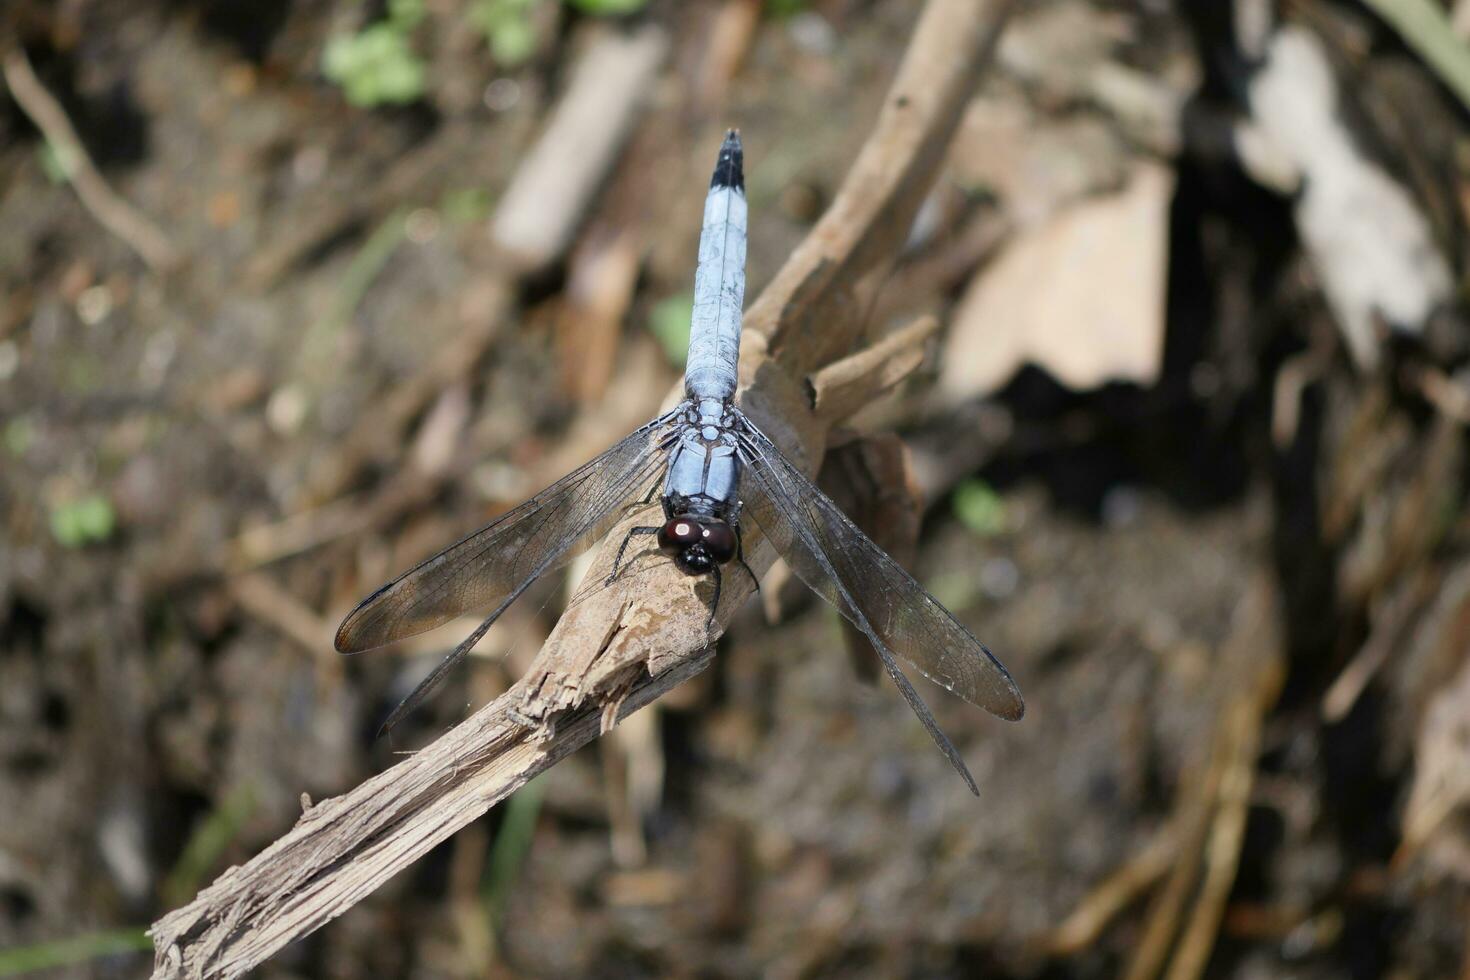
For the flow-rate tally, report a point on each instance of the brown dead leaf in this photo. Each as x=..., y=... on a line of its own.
x=1034, y=165
x=1442, y=766
x=1081, y=296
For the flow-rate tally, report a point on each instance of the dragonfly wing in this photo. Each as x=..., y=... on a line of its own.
x=839, y=562
x=489, y=569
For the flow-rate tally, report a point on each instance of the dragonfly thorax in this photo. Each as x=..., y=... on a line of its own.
x=700, y=499
x=711, y=416
x=704, y=466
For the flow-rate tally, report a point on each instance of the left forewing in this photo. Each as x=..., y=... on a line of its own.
x=487, y=570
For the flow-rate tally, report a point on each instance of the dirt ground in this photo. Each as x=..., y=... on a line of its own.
x=1215, y=535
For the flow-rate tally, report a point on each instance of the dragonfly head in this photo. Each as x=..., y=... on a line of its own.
x=697, y=546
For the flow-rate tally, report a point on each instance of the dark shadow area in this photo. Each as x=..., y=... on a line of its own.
x=110, y=123
x=248, y=25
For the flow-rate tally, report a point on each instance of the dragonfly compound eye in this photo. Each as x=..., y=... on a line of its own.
x=678, y=534
x=720, y=541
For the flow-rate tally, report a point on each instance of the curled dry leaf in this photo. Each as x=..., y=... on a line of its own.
x=1368, y=240
x=1080, y=296
x=1070, y=52
x=1034, y=165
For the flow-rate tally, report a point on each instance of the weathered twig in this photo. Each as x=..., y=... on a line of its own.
x=840, y=389
x=558, y=177
x=1084, y=924
x=114, y=213
x=1209, y=822
x=629, y=643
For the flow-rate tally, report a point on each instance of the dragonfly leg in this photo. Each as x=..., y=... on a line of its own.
x=714, y=605
x=618, y=561
x=740, y=557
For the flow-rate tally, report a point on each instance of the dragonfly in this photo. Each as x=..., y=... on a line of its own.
x=715, y=472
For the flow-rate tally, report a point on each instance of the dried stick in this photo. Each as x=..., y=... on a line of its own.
x=1241, y=737
x=840, y=389
x=1209, y=820
x=558, y=178
x=1082, y=927
x=633, y=641
x=110, y=210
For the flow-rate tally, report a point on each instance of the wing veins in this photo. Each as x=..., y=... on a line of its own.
x=761, y=467
x=924, y=632
x=426, y=595
x=441, y=669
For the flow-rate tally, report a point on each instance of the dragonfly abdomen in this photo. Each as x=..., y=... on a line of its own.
x=719, y=281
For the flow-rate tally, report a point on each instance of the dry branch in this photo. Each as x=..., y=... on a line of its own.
x=97, y=196
x=557, y=179
x=629, y=643
x=1209, y=822
x=838, y=390
x=1085, y=924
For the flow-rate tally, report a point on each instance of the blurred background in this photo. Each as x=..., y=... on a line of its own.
x=293, y=294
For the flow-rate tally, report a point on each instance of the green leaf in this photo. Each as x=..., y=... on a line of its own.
x=608, y=8
x=954, y=590
x=512, y=843
x=376, y=66
x=507, y=27
x=206, y=844
x=361, y=272
x=56, y=163
x=76, y=949
x=513, y=42
x=465, y=205
x=405, y=15
x=1426, y=28
x=980, y=508
x=669, y=322
x=85, y=521
x=20, y=435
x=784, y=8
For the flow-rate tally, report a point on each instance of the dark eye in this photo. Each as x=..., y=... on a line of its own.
x=720, y=541
x=677, y=535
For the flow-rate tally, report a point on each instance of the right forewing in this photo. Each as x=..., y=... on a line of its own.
x=867, y=586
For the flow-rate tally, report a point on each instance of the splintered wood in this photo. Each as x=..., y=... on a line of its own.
x=840, y=389
x=628, y=644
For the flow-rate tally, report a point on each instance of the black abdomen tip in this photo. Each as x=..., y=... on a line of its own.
x=730, y=168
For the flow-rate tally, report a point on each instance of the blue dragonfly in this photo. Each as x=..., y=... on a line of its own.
x=715, y=472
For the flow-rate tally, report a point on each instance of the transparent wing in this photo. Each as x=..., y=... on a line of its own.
x=491, y=567
x=838, y=562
